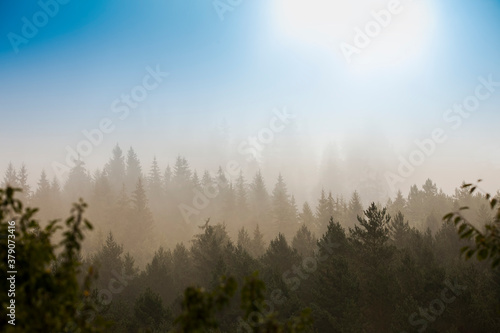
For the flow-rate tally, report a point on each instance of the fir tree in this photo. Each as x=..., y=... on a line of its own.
x=306, y=217
x=259, y=200
x=182, y=173
x=142, y=215
x=304, y=242
x=241, y=198
x=78, y=183
x=282, y=211
x=355, y=209
x=167, y=179
x=244, y=240
x=10, y=178
x=373, y=229
x=323, y=212
x=108, y=260
x=133, y=169
x=196, y=180
x=257, y=245
x=22, y=181
x=207, y=183
x=398, y=205
x=154, y=183
x=43, y=189
x=399, y=230
x=115, y=169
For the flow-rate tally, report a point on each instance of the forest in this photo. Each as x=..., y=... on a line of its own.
x=177, y=250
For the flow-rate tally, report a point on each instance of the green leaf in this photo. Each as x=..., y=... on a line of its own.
x=469, y=253
x=482, y=254
x=467, y=234
x=448, y=216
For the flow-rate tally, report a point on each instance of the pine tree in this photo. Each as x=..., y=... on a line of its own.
x=304, y=242
x=196, y=180
x=207, y=183
x=225, y=198
x=244, y=240
x=142, y=215
x=430, y=189
x=221, y=179
x=78, y=183
x=115, y=169
x=323, y=212
x=399, y=230
x=42, y=197
x=182, y=173
x=55, y=189
x=133, y=169
x=257, y=245
x=259, y=188
x=373, y=230
x=282, y=211
x=209, y=188
x=182, y=267
x=241, y=198
x=415, y=206
x=129, y=268
x=122, y=218
x=150, y=314
x=43, y=189
x=155, y=192
x=22, y=181
x=339, y=208
x=398, y=205
x=355, y=209
x=123, y=201
x=158, y=273
x=280, y=256
x=208, y=251
x=102, y=198
x=334, y=291
x=306, y=217
x=10, y=178
x=259, y=200
x=167, y=179
x=374, y=255
x=108, y=260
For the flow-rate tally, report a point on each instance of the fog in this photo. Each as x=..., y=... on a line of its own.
x=309, y=160
x=250, y=166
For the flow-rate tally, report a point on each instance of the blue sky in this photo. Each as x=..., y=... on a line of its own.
x=264, y=54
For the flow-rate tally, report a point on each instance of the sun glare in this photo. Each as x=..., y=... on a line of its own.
x=369, y=33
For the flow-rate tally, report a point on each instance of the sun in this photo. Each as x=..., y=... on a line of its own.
x=397, y=31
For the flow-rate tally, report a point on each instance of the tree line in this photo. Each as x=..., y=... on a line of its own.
x=392, y=267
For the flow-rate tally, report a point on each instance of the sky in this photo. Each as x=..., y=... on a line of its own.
x=227, y=67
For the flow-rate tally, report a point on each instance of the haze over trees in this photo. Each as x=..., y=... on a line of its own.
x=171, y=244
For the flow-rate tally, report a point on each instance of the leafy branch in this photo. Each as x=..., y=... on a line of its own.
x=486, y=243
